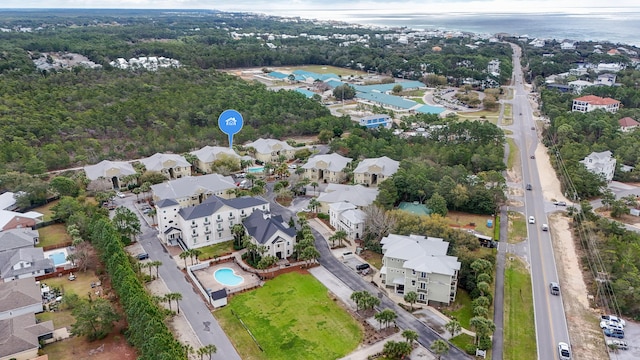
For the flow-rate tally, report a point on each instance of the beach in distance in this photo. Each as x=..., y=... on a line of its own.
x=621, y=27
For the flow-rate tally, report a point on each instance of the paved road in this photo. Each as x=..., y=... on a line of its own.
x=196, y=312
x=550, y=319
x=426, y=336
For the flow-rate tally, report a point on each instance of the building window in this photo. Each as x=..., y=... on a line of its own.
x=423, y=285
x=413, y=283
x=207, y=237
x=219, y=234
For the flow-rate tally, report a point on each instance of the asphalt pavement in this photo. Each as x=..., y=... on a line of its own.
x=192, y=306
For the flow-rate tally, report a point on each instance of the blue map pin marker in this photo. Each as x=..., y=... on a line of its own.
x=230, y=122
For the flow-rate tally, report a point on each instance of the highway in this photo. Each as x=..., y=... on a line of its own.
x=550, y=319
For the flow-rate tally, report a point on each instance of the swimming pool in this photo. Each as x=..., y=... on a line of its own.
x=59, y=257
x=257, y=169
x=226, y=276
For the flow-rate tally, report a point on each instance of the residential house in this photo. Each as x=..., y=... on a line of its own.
x=606, y=79
x=271, y=232
x=209, y=154
x=377, y=120
x=193, y=190
x=15, y=220
x=18, y=238
x=421, y=264
x=567, y=45
x=326, y=168
x=20, y=297
x=627, y=124
x=371, y=172
x=578, y=85
x=270, y=150
x=602, y=163
x=109, y=174
x=591, y=102
x=357, y=195
x=20, y=333
x=173, y=166
x=8, y=201
x=494, y=67
x=347, y=217
x=19, y=259
x=205, y=224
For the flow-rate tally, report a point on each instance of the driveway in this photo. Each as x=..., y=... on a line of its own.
x=192, y=306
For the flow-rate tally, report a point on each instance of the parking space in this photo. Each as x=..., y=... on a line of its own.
x=631, y=337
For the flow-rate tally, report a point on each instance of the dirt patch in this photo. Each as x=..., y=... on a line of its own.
x=586, y=337
x=551, y=188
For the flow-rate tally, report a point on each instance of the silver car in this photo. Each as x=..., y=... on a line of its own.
x=564, y=351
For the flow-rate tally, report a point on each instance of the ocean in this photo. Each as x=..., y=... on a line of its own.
x=619, y=28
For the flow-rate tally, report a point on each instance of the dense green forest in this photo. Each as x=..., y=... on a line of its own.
x=205, y=40
x=75, y=118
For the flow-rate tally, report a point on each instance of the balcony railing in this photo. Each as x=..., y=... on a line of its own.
x=219, y=220
x=194, y=226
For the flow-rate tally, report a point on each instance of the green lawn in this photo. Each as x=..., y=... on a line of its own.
x=52, y=235
x=519, y=327
x=216, y=250
x=517, y=227
x=514, y=153
x=291, y=317
x=461, y=309
x=60, y=318
x=462, y=341
x=418, y=100
x=507, y=110
x=46, y=210
x=373, y=258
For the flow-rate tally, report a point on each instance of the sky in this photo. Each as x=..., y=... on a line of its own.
x=291, y=7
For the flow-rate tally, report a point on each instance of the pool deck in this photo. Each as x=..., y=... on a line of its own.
x=208, y=281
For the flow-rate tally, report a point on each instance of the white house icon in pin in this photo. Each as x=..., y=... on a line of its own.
x=230, y=121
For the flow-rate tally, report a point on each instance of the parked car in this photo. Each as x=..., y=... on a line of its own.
x=614, y=319
x=616, y=333
x=554, y=288
x=545, y=227
x=560, y=203
x=532, y=220
x=608, y=324
x=618, y=344
x=361, y=267
x=529, y=187
x=120, y=195
x=564, y=351
x=142, y=256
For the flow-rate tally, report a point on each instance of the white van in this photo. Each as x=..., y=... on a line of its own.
x=545, y=227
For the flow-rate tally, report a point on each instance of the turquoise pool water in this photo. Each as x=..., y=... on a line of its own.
x=257, y=169
x=58, y=258
x=226, y=276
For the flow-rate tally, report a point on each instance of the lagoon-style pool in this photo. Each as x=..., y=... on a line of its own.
x=226, y=276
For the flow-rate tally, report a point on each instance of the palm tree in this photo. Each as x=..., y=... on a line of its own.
x=483, y=287
x=174, y=296
x=411, y=297
x=314, y=185
x=480, y=311
x=314, y=204
x=453, y=327
x=209, y=350
x=194, y=253
x=156, y=264
x=380, y=318
x=439, y=347
x=388, y=316
x=339, y=235
x=188, y=349
x=410, y=336
x=184, y=255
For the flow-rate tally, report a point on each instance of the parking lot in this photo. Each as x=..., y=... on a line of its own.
x=631, y=336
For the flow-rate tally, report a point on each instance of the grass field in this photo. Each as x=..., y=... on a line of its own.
x=418, y=100
x=517, y=227
x=215, y=250
x=461, y=309
x=463, y=219
x=514, y=153
x=291, y=317
x=46, y=210
x=326, y=69
x=373, y=258
x=52, y=235
x=519, y=328
x=462, y=341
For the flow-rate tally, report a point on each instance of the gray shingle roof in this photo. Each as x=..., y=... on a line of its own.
x=159, y=162
x=33, y=255
x=388, y=166
x=17, y=238
x=19, y=293
x=219, y=294
x=355, y=194
x=335, y=162
x=116, y=168
x=20, y=333
x=263, y=229
x=191, y=185
x=213, y=203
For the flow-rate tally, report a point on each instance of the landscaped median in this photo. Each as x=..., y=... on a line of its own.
x=290, y=317
x=519, y=321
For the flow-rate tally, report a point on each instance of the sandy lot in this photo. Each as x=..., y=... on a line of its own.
x=585, y=334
